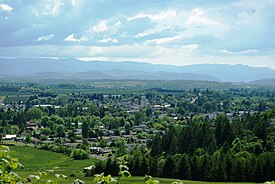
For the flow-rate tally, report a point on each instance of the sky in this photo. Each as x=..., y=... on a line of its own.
x=176, y=32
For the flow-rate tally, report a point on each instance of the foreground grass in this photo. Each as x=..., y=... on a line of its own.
x=140, y=180
x=36, y=160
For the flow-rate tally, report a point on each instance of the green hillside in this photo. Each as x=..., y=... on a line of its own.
x=36, y=160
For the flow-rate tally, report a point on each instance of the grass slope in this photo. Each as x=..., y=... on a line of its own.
x=36, y=160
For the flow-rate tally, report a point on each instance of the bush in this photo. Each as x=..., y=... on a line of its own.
x=79, y=154
x=43, y=138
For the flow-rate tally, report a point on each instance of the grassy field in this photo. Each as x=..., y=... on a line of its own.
x=36, y=160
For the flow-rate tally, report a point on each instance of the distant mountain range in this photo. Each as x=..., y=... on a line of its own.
x=266, y=82
x=46, y=68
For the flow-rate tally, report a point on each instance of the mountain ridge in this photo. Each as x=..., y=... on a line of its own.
x=130, y=70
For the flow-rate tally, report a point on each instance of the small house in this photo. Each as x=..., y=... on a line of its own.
x=9, y=137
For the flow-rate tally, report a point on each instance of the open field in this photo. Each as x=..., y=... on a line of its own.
x=36, y=160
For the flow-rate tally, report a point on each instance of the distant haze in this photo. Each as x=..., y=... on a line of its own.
x=46, y=68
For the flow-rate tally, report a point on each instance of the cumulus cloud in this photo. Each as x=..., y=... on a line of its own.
x=165, y=40
x=163, y=31
x=106, y=40
x=52, y=7
x=155, y=17
x=101, y=26
x=73, y=3
x=5, y=7
x=72, y=38
x=198, y=17
x=45, y=37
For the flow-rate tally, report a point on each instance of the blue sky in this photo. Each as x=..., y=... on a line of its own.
x=177, y=32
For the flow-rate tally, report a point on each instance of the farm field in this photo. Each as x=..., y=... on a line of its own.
x=36, y=160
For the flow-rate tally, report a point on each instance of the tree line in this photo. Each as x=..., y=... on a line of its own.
x=242, y=149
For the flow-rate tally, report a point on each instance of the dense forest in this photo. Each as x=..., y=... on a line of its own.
x=219, y=150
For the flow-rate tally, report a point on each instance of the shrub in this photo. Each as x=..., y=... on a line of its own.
x=79, y=154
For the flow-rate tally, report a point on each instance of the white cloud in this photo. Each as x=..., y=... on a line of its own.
x=140, y=35
x=163, y=16
x=222, y=30
x=155, y=17
x=180, y=52
x=239, y=52
x=246, y=18
x=72, y=38
x=162, y=40
x=93, y=51
x=198, y=17
x=138, y=16
x=87, y=59
x=73, y=3
x=107, y=40
x=101, y=26
x=117, y=24
x=182, y=55
x=45, y=38
x=165, y=40
x=254, y=4
x=52, y=7
x=190, y=47
x=6, y=7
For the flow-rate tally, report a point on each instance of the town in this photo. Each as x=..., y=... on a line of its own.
x=105, y=125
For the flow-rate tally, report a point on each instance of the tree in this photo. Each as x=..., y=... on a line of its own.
x=139, y=117
x=85, y=129
x=46, y=131
x=28, y=138
x=34, y=113
x=169, y=167
x=156, y=146
x=79, y=154
x=184, y=171
x=218, y=167
x=14, y=129
x=85, y=145
x=72, y=136
x=120, y=147
x=103, y=143
x=60, y=131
